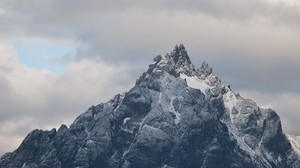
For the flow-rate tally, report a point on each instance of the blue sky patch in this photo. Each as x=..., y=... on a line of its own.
x=44, y=55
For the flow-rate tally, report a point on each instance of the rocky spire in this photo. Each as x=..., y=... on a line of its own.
x=206, y=69
x=179, y=55
x=175, y=62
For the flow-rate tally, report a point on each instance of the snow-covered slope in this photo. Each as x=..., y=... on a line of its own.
x=295, y=142
x=175, y=116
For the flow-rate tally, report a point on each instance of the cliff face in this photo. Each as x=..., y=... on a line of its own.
x=175, y=116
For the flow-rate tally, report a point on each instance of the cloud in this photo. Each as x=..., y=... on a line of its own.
x=65, y=19
x=33, y=99
x=78, y=11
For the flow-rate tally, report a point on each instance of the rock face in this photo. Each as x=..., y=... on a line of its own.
x=176, y=116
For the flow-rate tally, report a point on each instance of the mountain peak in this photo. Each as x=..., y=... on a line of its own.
x=175, y=62
x=180, y=45
x=180, y=55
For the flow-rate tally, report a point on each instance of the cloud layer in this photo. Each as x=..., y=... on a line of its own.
x=253, y=45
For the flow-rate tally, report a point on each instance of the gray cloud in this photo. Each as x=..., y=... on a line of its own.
x=226, y=9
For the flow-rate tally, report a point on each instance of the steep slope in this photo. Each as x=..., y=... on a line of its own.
x=175, y=116
x=295, y=142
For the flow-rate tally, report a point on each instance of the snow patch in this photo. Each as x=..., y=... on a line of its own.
x=125, y=153
x=142, y=123
x=295, y=142
x=230, y=100
x=120, y=101
x=172, y=109
x=160, y=97
x=151, y=127
x=125, y=120
x=196, y=83
x=90, y=141
x=127, y=130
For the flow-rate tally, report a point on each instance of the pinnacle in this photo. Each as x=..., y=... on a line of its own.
x=206, y=69
x=180, y=55
x=175, y=62
x=180, y=46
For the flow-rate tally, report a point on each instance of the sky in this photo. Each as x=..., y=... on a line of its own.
x=59, y=57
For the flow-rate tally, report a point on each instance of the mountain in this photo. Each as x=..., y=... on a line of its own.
x=176, y=116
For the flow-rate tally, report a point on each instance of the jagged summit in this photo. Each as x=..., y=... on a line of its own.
x=180, y=55
x=175, y=116
x=176, y=62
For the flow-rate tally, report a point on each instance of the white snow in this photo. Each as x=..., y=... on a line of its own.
x=141, y=126
x=230, y=100
x=127, y=130
x=142, y=123
x=125, y=152
x=241, y=142
x=166, y=166
x=196, y=83
x=90, y=141
x=125, y=120
x=295, y=142
x=122, y=95
x=172, y=109
x=151, y=127
x=160, y=96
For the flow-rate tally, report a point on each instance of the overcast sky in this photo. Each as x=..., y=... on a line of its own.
x=59, y=57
